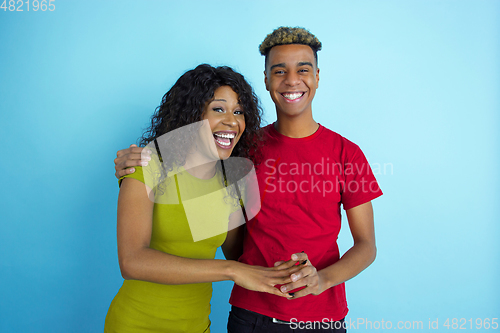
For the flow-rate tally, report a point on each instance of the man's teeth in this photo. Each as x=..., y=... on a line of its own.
x=227, y=136
x=292, y=96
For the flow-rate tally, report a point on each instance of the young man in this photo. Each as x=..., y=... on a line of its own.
x=306, y=174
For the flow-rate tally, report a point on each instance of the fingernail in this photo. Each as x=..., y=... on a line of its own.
x=149, y=152
x=144, y=163
x=132, y=170
x=146, y=158
x=293, y=277
x=283, y=288
x=304, y=262
x=294, y=257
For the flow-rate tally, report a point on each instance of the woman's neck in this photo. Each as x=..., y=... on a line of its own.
x=202, y=171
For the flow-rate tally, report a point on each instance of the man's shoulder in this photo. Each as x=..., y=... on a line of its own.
x=266, y=129
x=330, y=136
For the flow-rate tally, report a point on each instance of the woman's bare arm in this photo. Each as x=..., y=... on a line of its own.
x=138, y=261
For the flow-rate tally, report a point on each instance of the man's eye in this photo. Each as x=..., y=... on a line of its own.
x=304, y=70
x=279, y=72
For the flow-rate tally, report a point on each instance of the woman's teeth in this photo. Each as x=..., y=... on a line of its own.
x=225, y=135
x=224, y=139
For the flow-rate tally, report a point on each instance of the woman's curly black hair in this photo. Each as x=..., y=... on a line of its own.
x=184, y=104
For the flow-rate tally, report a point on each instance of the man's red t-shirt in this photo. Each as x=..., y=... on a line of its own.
x=302, y=183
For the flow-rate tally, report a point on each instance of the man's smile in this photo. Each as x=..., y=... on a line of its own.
x=293, y=96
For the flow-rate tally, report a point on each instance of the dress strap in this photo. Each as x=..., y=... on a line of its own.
x=178, y=190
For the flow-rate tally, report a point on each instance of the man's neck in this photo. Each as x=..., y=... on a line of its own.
x=296, y=127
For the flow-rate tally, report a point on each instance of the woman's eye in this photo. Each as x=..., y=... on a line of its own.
x=218, y=109
x=238, y=112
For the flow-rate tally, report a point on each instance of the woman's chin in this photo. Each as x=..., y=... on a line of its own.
x=224, y=154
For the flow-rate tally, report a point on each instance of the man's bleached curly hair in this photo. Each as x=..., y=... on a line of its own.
x=290, y=35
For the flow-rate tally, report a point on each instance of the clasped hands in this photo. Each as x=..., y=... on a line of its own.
x=306, y=277
x=283, y=278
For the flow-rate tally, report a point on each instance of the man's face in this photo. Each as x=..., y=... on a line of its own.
x=291, y=77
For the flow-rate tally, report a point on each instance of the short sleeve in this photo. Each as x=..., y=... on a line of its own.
x=149, y=175
x=138, y=174
x=360, y=185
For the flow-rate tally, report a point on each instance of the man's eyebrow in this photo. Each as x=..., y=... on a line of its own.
x=305, y=63
x=282, y=64
x=301, y=63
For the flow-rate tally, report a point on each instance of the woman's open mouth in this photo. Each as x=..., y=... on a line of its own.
x=224, y=139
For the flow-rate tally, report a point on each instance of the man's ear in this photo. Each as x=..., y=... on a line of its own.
x=265, y=80
x=317, y=77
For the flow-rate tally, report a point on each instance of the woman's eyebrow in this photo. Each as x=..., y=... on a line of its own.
x=219, y=100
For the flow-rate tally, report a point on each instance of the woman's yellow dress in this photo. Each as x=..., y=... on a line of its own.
x=150, y=307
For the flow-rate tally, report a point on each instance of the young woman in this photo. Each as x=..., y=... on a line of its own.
x=167, y=274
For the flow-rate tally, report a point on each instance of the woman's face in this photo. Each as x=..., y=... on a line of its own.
x=226, y=119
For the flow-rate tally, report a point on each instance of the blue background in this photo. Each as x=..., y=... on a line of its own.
x=415, y=83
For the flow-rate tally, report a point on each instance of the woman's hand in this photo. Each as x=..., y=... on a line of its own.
x=264, y=279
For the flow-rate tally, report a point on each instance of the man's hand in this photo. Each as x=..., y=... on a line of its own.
x=355, y=260
x=307, y=276
x=128, y=158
